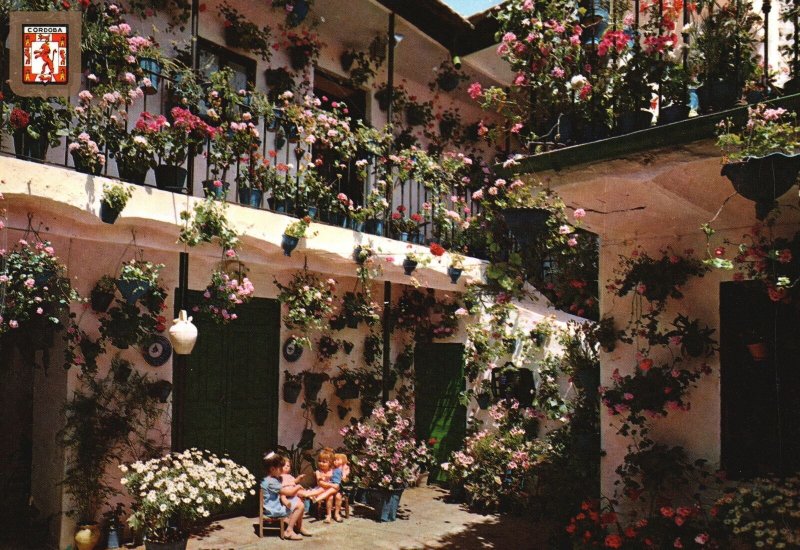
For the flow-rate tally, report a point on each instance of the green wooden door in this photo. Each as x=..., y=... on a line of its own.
x=228, y=391
x=438, y=414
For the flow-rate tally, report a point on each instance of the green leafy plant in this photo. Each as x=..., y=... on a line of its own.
x=205, y=223
x=242, y=33
x=107, y=421
x=116, y=195
x=767, y=131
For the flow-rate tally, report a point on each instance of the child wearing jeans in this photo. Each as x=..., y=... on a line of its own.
x=273, y=490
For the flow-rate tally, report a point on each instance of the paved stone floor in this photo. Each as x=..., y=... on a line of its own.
x=425, y=521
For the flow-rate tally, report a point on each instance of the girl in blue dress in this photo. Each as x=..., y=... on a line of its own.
x=273, y=489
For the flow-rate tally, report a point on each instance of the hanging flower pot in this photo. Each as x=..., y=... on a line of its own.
x=758, y=351
x=526, y=223
x=382, y=96
x=484, y=400
x=454, y=273
x=171, y=178
x=298, y=57
x=342, y=411
x=108, y=214
x=183, y=334
x=152, y=72
x=409, y=266
x=337, y=322
x=160, y=390
x=313, y=383
x=763, y=180
x=132, y=289
x=101, y=300
x=288, y=244
x=366, y=407
x=352, y=322
x=447, y=81
x=291, y=391
x=321, y=412
x=346, y=389
x=346, y=59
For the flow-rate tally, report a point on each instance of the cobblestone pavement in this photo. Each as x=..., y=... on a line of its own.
x=425, y=521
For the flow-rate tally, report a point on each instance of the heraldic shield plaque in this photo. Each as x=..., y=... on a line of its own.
x=45, y=53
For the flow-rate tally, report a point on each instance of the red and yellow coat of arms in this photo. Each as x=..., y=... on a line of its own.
x=45, y=54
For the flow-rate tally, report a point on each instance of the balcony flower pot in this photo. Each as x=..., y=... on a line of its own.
x=484, y=400
x=288, y=244
x=718, y=95
x=594, y=23
x=409, y=266
x=291, y=391
x=633, y=121
x=763, y=180
x=28, y=148
x=214, y=191
x=375, y=227
x=313, y=383
x=673, y=113
x=404, y=237
x=101, y=301
x=454, y=273
x=358, y=227
x=171, y=178
x=84, y=168
x=526, y=223
x=133, y=174
x=108, y=214
x=250, y=197
x=152, y=71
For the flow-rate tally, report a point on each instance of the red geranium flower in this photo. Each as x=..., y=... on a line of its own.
x=436, y=249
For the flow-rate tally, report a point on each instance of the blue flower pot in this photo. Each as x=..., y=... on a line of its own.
x=251, y=197
x=152, y=70
x=356, y=226
x=108, y=214
x=219, y=193
x=375, y=227
x=409, y=266
x=288, y=244
x=454, y=274
x=404, y=237
x=312, y=211
x=385, y=503
x=132, y=290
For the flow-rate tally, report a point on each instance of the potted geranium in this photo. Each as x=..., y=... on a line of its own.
x=303, y=48
x=136, y=278
x=173, y=142
x=762, y=159
x=385, y=456
x=115, y=197
x=244, y=34
x=135, y=156
x=103, y=293
x=293, y=233
x=36, y=124
x=175, y=493
x=223, y=294
x=448, y=76
x=308, y=301
x=86, y=155
x=357, y=307
x=347, y=384
x=36, y=294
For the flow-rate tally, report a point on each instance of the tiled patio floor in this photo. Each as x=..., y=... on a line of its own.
x=424, y=521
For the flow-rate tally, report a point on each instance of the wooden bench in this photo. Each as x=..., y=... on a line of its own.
x=283, y=521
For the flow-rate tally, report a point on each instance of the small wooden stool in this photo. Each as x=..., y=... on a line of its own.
x=282, y=521
x=345, y=507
